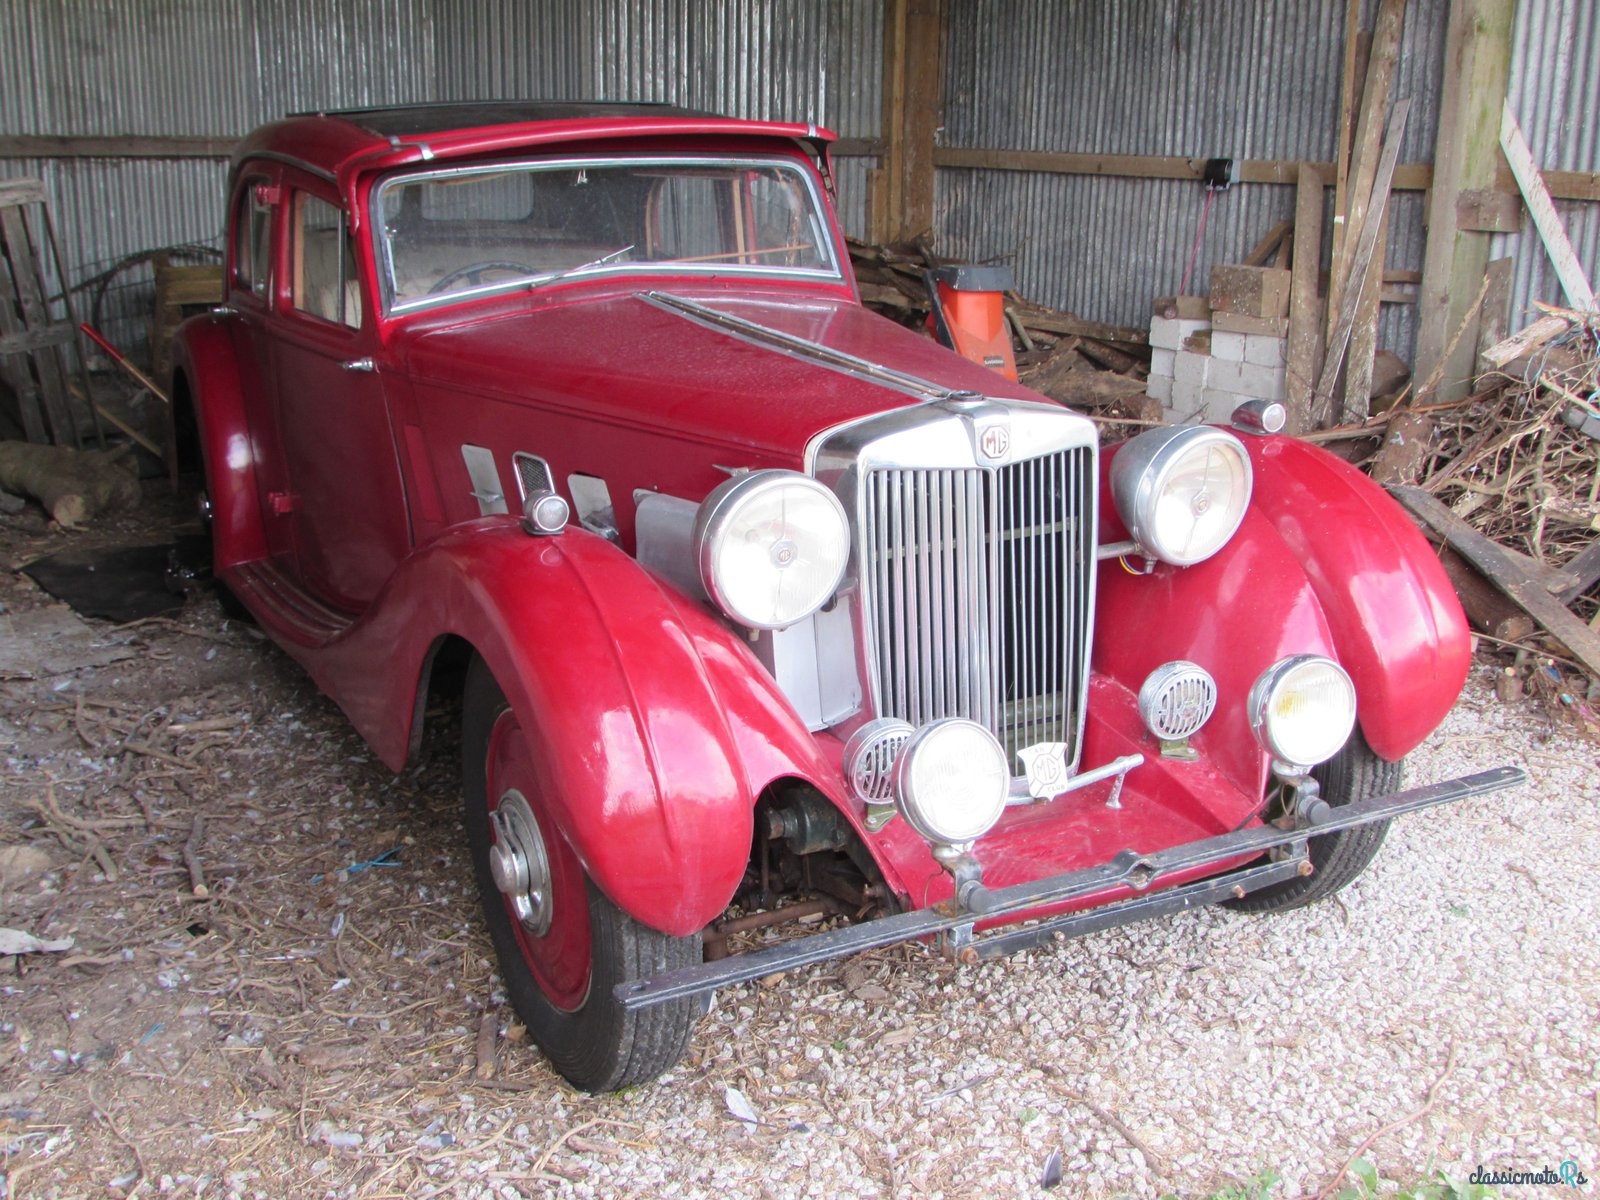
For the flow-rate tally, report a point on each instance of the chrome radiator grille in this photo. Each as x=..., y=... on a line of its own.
x=976, y=591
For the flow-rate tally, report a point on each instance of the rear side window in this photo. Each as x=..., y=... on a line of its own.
x=323, y=263
x=252, y=231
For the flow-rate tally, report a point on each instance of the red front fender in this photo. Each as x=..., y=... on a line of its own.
x=1395, y=618
x=651, y=760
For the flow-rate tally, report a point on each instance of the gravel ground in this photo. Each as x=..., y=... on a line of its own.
x=242, y=1046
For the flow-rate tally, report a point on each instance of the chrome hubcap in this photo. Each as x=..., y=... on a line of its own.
x=518, y=863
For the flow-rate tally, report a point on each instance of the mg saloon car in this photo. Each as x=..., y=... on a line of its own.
x=760, y=606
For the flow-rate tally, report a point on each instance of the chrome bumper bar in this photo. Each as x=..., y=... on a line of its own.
x=1128, y=869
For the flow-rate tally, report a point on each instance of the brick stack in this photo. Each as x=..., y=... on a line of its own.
x=1178, y=355
x=1206, y=361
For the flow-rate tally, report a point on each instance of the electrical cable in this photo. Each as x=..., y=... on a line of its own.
x=1183, y=288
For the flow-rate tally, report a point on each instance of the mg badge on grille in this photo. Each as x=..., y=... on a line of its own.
x=994, y=442
x=1046, y=767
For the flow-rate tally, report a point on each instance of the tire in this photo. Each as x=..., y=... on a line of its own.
x=1355, y=773
x=560, y=977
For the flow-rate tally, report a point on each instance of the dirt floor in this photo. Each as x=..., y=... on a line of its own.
x=268, y=978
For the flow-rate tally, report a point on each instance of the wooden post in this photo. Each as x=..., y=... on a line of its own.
x=1377, y=84
x=1466, y=157
x=887, y=204
x=1305, y=313
x=913, y=43
x=1347, y=110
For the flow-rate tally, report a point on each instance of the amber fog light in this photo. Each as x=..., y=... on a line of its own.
x=1302, y=709
x=771, y=547
x=951, y=781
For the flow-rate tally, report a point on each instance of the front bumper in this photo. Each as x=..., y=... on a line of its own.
x=1140, y=872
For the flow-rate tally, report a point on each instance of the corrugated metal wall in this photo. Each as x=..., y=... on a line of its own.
x=1247, y=78
x=1256, y=79
x=1155, y=77
x=221, y=67
x=1555, y=90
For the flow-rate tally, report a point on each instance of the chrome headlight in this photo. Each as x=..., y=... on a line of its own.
x=1303, y=709
x=771, y=546
x=951, y=781
x=1182, y=490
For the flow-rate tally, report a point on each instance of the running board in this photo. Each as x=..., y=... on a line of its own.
x=279, y=601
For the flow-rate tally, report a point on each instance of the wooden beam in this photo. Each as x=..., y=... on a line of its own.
x=1347, y=108
x=1365, y=149
x=1545, y=218
x=887, y=203
x=924, y=79
x=1529, y=594
x=1495, y=315
x=131, y=146
x=21, y=191
x=1466, y=157
x=1408, y=177
x=1305, y=313
x=1366, y=244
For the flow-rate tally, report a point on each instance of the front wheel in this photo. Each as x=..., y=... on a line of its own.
x=562, y=945
x=1355, y=773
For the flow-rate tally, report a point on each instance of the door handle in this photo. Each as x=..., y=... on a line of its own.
x=359, y=364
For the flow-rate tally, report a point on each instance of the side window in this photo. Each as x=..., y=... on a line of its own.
x=323, y=263
x=252, y=233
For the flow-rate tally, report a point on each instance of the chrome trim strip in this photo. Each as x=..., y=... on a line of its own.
x=805, y=348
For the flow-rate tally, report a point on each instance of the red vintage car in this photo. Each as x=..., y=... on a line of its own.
x=760, y=605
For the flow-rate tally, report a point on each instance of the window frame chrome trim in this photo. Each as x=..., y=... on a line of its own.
x=384, y=263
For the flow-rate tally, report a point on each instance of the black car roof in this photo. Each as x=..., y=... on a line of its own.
x=422, y=119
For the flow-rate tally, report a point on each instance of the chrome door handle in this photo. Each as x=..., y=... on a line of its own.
x=359, y=364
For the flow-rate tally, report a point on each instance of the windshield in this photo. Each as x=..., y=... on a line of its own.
x=445, y=234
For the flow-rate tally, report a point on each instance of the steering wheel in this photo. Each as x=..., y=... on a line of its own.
x=472, y=272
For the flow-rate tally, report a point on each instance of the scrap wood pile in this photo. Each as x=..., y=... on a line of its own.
x=1088, y=365
x=1508, y=482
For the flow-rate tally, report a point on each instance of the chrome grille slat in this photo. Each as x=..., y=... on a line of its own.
x=977, y=592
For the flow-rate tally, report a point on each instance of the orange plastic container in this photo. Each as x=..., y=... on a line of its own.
x=969, y=314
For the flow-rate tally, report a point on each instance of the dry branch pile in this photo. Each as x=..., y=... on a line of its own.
x=1509, y=480
x=1520, y=464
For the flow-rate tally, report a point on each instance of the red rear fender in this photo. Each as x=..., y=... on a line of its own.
x=205, y=364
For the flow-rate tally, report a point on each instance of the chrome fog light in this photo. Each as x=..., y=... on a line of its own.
x=1182, y=490
x=771, y=547
x=1175, y=702
x=1302, y=709
x=951, y=781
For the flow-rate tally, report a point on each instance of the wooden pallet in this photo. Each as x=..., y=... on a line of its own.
x=38, y=355
x=181, y=292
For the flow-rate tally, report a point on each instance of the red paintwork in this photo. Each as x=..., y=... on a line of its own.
x=1394, y=614
x=560, y=958
x=644, y=724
